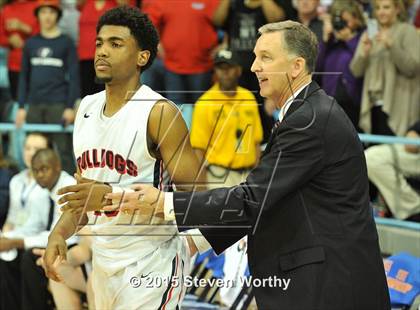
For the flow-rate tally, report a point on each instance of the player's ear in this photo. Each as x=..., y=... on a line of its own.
x=143, y=58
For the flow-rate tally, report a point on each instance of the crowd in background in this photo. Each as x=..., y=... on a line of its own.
x=369, y=61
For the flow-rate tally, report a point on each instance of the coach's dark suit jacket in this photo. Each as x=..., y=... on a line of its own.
x=306, y=213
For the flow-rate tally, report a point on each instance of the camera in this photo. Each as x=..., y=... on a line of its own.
x=338, y=22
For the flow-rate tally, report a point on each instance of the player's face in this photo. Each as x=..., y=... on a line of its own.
x=227, y=75
x=45, y=173
x=272, y=65
x=116, y=56
x=33, y=143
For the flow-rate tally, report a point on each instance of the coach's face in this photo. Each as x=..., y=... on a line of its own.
x=273, y=66
x=117, y=56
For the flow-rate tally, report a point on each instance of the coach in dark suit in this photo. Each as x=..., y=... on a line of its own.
x=305, y=207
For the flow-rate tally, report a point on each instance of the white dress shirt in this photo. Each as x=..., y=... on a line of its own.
x=35, y=231
x=25, y=195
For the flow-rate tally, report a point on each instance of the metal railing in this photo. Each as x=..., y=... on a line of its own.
x=49, y=128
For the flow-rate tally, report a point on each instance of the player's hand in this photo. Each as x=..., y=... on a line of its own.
x=86, y=195
x=83, y=197
x=146, y=199
x=55, y=254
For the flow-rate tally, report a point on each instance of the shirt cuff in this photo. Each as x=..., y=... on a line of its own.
x=199, y=240
x=168, y=206
x=12, y=234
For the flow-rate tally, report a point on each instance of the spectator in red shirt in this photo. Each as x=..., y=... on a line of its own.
x=90, y=11
x=187, y=39
x=17, y=23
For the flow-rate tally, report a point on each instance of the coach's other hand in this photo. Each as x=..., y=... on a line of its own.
x=55, y=253
x=146, y=200
x=86, y=195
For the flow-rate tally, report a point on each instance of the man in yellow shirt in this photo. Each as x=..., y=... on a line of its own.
x=226, y=127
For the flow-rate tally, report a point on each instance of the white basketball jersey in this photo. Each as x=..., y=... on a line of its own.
x=114, y=150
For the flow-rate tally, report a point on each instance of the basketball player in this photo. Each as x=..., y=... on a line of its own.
x=124, y=135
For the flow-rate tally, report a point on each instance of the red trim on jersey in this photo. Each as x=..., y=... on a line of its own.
x=172, y=287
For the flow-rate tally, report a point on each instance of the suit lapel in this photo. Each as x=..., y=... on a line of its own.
x=296, y=104
x=301, y=98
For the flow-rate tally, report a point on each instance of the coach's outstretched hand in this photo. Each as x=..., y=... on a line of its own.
x=86, y=195
x=146, y=200
x=55, y=253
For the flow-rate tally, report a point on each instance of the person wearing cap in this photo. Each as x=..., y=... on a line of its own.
x=226, y=127
x=49, y=79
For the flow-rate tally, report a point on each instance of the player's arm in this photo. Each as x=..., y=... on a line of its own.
x=56, y=251
x=185, y=165
x=169, y=135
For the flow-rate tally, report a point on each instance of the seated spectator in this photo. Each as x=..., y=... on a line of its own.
x=24, y=191
x=49, y=80
x=26, y=281
x=226, y=128
x=307, y=13
x=342, y=30
x=5, y=176
x=388, y=58
x=390, y=168
x=24, y=195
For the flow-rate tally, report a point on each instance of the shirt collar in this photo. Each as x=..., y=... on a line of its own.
x=290, y=100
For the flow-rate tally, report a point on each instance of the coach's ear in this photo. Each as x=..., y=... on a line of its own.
x=143, y=58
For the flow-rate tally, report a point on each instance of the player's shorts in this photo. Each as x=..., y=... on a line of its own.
x=154, y=282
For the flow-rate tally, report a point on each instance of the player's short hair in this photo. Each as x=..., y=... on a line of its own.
x=140, y=26
x=298, y=39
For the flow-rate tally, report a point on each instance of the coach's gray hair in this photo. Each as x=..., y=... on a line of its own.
x=298, y=39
